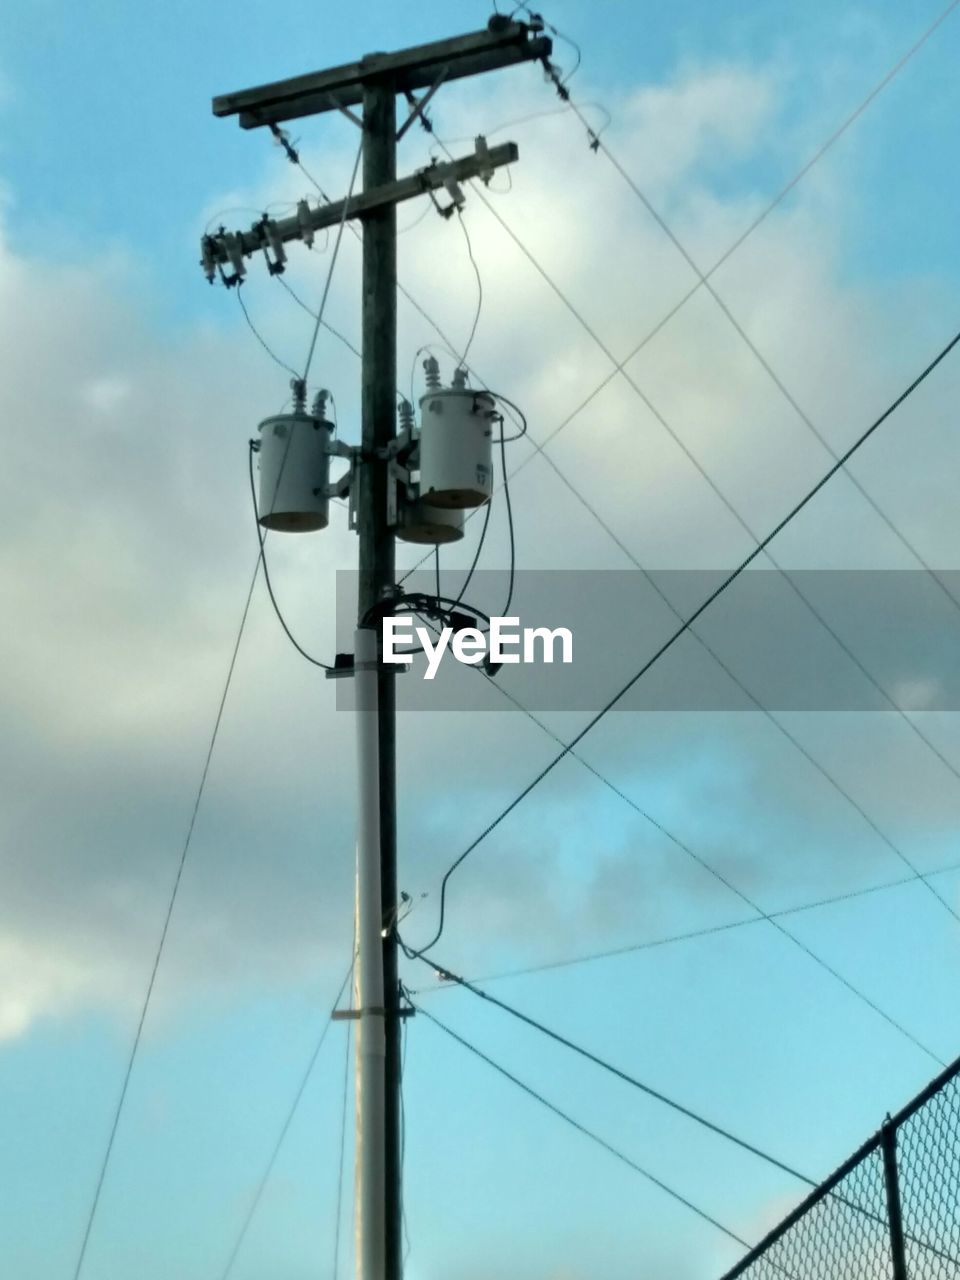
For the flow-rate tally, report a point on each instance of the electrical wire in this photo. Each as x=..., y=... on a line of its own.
x=333, y=263
x=261, y=540
x=683, y=628
x=760, y=913
x=761, y=217
x=518, y=121
x=151, y=982
x=743, y=523
x=510, y=530
x=623, y=1076
x=538, y=18
x=703, y=280
x=313, y=314
x=691, y=935
x=259, y=337
x=588, y=1133
x=791, y=400
x=853, y=1205
x=476, y=272
x=285, y=1127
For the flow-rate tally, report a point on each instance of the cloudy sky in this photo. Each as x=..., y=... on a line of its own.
x=130, y=390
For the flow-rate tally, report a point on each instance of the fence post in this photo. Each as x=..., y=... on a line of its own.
x=891, y=1177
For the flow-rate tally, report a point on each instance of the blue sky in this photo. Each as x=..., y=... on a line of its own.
x=130, y=391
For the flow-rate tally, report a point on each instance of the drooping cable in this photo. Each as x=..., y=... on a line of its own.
x=685, y=626
x=476, y=272
x=259, y=337
x=266, y=572
x=760, y=914
x=171, y=901
x=588, y=1133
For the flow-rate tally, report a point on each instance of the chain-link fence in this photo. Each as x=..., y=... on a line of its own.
x=890, y=1212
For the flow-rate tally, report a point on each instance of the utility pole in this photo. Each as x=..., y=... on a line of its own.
x=373, y=84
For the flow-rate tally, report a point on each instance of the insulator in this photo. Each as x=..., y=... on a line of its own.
x=405, y=415
x=431, y=369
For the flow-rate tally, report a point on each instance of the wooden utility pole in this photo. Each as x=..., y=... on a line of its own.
x=373, y=84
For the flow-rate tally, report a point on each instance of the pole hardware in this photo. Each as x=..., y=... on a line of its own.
x=230, y=248
x=384, y=501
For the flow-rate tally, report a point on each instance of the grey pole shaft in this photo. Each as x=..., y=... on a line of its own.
x=378, y=422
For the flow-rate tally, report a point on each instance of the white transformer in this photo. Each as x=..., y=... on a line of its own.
x=294, y=472
x=456, y=454
x=423, y=523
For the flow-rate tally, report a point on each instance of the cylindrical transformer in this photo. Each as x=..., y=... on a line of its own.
x=294, y=472
x=421, y=522
x=456, y=452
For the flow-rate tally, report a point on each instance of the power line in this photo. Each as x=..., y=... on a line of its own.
x=333, y=263
x=151, y=982
x=728, y=884
x=692, y=935
x=761, y=217
x=597, y=1061
x=685, y=626
x=588, y=1133
x=811, y=426
x=259, y=337
x=265, y=1178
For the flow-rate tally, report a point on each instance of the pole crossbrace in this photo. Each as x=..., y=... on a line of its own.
x=230, y=248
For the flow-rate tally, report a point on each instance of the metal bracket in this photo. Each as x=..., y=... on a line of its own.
x=351, y=115
x=230, y=248
x=397, y=476
x=418, y=105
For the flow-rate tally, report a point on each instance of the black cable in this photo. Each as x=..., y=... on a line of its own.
x=917, y=731
x=513, y=545
x=588, y=1133
x=597, y=1061
x=703, y=280
x=498, y=395
x=476, y=555
x=151, y=982
x=538, y=18
x=259, y=337
x=760, y=913
x=682, y=629
x=266, y=573
x=304, y=1081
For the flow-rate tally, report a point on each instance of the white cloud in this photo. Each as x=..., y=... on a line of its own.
x=130, y=548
